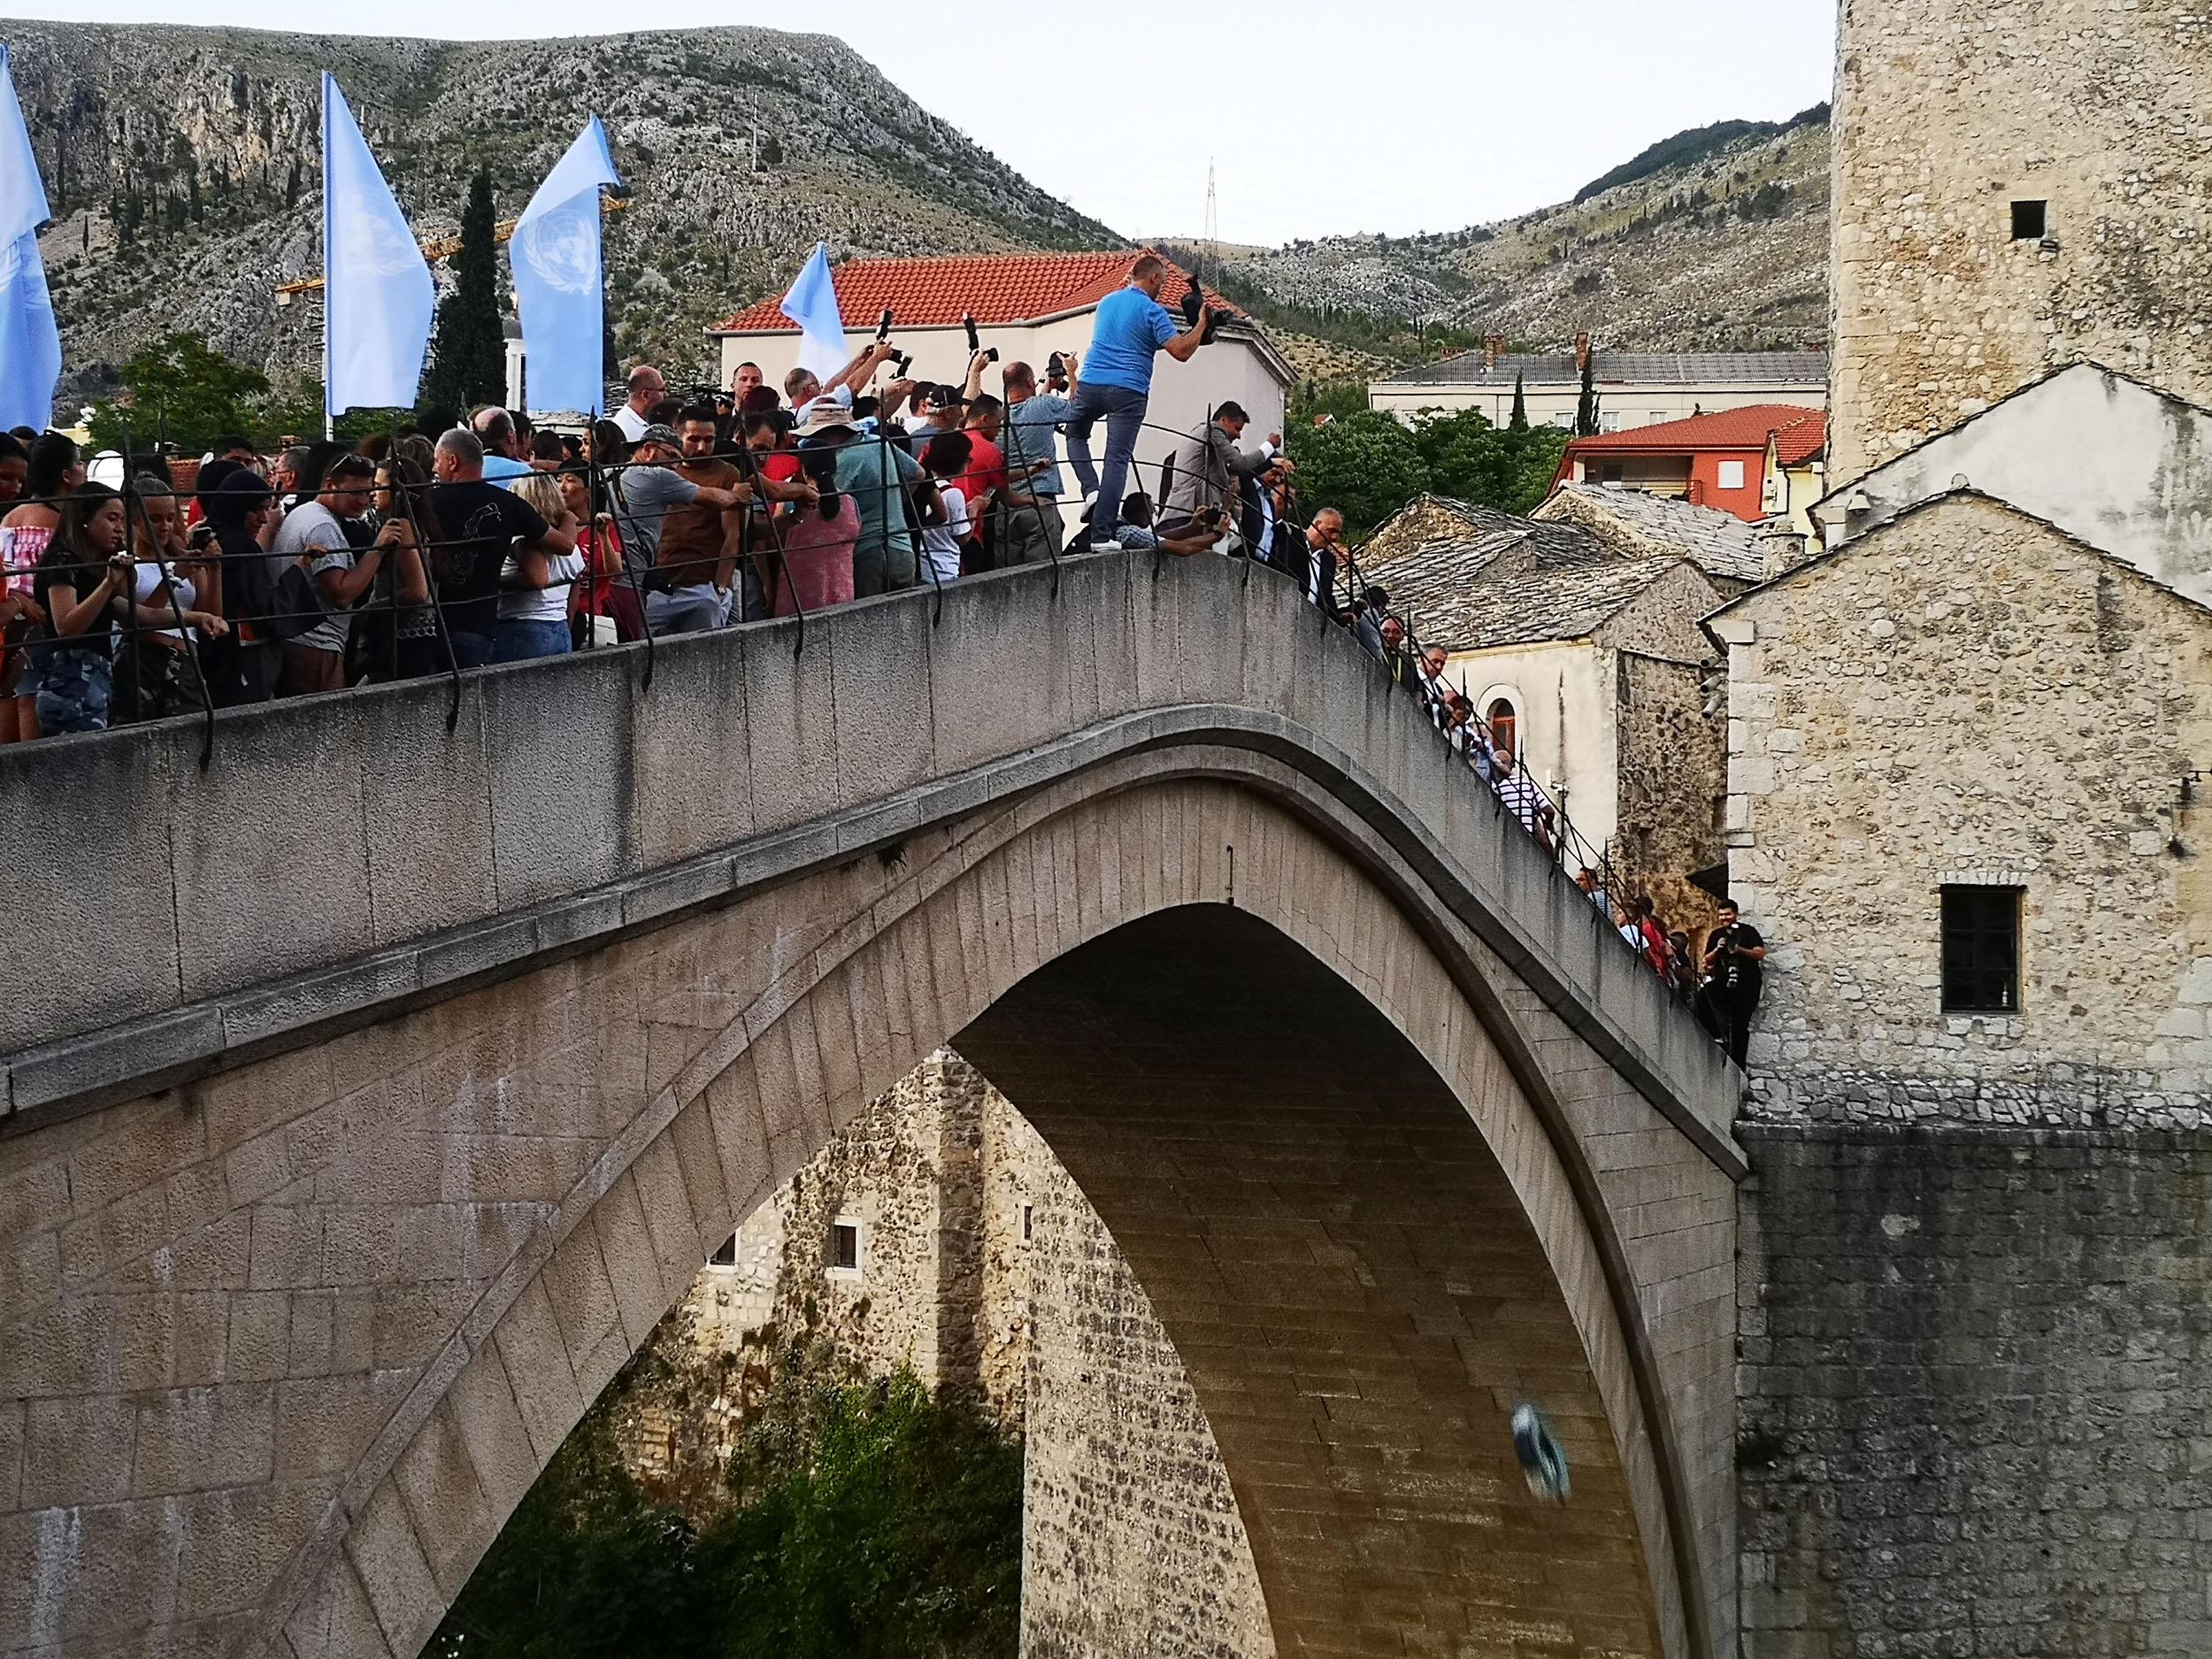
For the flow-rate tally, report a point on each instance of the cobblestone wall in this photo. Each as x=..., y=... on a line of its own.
x=1946, y=113
x=1968, y=697
x=1673, y=769
x=1974, y=1393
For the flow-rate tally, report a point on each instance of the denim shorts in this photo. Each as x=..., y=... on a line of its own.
x=73, y=687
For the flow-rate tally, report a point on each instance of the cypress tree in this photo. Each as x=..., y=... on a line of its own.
x=1586, y=408
x=468, y=356
x=1519, y=421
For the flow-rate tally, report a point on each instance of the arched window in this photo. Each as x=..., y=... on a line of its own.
x=1505, y=726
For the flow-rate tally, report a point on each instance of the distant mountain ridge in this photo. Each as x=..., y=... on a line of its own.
x=183, y=167
x=1716, y=239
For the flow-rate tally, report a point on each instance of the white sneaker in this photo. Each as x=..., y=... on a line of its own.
x=1113, y=546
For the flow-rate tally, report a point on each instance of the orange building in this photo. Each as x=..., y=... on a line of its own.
x=1738, y=460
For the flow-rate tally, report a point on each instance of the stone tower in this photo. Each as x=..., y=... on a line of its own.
x=2018, y=184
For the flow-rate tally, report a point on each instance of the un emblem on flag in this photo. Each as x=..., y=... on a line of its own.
x=370, y=244
x=562, y=246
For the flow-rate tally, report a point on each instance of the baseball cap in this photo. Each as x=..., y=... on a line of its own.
x=944, y=397
x=660, y=434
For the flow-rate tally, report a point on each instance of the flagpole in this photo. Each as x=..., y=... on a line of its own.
x=330, y=420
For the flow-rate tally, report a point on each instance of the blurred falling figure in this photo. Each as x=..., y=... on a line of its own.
x=1543, y=1459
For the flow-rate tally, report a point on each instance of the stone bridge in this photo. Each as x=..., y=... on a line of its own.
x=373, y=1093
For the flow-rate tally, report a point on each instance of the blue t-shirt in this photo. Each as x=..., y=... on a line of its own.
x=1131, y=327
x=503, y=470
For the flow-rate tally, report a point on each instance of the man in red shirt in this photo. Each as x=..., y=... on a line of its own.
x=983, y=485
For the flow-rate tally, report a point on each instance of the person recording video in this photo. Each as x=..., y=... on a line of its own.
x=1131, y=329
x=1734, y=973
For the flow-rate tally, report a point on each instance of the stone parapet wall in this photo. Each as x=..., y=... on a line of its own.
x=1974, y=1393
x=1948, y=111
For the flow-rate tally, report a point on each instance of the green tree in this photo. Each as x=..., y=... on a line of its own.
x=1366, y=466
x=1468, y=457
x=180, y=388
x=1587, y=405
x=468, y=359
x=1312, y=399
x=1519, y=420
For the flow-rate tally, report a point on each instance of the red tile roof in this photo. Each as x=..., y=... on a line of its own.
x=997, y=289
x=1799, y=434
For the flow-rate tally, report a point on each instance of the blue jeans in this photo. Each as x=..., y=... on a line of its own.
x=72, y=688
x=471, y=651
x=1123, y=411
x=517, y=641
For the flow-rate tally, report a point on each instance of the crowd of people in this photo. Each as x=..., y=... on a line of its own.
x=414, y=553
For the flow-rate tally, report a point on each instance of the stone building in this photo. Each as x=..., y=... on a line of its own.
x=2017, y=184
x=937, y=1232
x=1580, y=649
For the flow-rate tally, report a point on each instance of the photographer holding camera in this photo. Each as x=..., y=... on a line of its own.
x=1032, y=420
x=1131, y=327
x=1734, y=974
x=1209, y=469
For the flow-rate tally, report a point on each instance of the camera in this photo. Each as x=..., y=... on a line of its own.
x=975, y=341
x=883, y=326
x=1055, y=368
x=901, y=363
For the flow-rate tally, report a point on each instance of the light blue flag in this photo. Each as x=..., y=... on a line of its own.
x=377, y=292
x=812, y=304
x=556, y=257
x=30, y=344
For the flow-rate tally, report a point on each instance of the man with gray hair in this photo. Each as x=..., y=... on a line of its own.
x=504, y=460
x=483, y=526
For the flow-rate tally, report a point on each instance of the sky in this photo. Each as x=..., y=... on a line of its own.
x=1319, y=116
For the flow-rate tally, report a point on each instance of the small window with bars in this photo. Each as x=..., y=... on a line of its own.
x=1981, y=949
x=844, y=1247
x=724, y=1253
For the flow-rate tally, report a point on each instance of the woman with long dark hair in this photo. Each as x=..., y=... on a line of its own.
x=410, y=646
x=157, y=670
x=84, y=583
x=241, y=667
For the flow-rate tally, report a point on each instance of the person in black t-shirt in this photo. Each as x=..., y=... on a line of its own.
x=483, y=526
x=1734, y=973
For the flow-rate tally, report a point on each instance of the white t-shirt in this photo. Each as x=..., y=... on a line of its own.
x=312, y=527
x=633, y=424
x=549, y=603
x=941, y=543
x=145, y=579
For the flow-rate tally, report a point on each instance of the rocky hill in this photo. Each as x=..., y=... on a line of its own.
x=1715, y=239
x=183, y=167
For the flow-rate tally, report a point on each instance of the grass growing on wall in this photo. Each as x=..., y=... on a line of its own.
x=866, y=1517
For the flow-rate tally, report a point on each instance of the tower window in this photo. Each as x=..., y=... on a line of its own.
x=2028, y=221
x=844, y=1247
x=724, y=1253
x=1981, y=949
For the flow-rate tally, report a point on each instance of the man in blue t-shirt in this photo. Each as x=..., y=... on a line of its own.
x=1116, y=383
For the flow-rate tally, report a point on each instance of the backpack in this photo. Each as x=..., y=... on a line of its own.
x=298, y=607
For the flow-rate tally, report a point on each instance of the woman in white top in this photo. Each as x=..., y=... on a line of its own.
x=158, y=670
x=945, y=459
x=534, y=589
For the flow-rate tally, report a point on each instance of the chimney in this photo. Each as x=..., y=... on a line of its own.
x=1780, y=549
x=1492, y=345
x=1582, y=352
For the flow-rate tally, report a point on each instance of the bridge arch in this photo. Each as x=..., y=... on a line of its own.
x=700, y=1061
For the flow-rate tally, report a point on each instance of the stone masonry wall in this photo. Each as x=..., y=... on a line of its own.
x=1965, y=695
x=1130, y=1539
x=987, y=1271
x=1975, y=1390
x=1673, y=770
x=1948, y=111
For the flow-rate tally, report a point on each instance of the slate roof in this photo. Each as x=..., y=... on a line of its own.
x=1799, y=434
x=1625, y=368
x=1545, y=603
x=996, y=288
x=1472, y=539
x=1470, y=577
x=1639, y=525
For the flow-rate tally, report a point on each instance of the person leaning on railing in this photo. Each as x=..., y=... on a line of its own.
x=84, y=583
x=157, y=673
